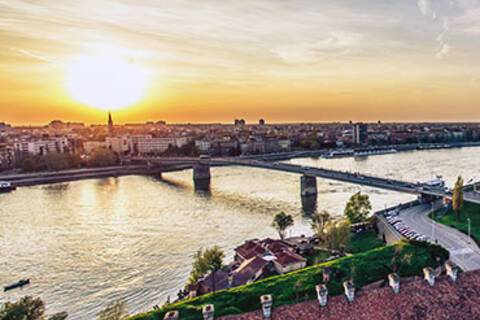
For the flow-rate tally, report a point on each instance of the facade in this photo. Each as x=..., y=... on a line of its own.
x=360, y=133
x=148, y=145
x=42, y=147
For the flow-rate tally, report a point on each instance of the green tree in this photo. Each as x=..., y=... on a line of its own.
x=337, y=234
x=281, y=222
x=457, y=198
x=319, y=222
x=26, y=308
x=55, y=161
x=204, y=261
x=29, y=164
x=358, y=208
x=103, y=158
x=116, y=310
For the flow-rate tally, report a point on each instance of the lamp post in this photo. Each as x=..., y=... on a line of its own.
x=468, y=220
x=433, y=224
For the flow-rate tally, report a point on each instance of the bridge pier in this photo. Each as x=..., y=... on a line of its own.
x=426, y=198
x=309, y=205
x=201, y=176
x=308, y=186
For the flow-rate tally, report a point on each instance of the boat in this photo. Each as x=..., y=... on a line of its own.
x=374, y=152
x=339, y=154
x=6, y=186
x=19, y=284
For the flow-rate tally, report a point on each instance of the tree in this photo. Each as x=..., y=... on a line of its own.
x=204, y=261
x=319, y=221
x=358, y=208
x=281, y=222
x=116, y=310
x=55, y=161
x=29, y=164
x=103, y=158
x=26, y=308
x=457, y=197
x=337, y=234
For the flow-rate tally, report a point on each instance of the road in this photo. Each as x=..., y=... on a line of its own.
x=463, y=250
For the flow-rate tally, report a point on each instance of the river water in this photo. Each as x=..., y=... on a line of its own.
x=89, y=242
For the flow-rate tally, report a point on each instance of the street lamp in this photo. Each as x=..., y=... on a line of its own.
x=468, y=220
x=433, y=224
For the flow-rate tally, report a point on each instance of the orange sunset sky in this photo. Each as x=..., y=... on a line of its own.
x=211, y=60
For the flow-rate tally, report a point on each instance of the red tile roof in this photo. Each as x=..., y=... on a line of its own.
x=256, y=247
x=286, y=258
x=250, y=249
x=416, y=300
x=247, y=270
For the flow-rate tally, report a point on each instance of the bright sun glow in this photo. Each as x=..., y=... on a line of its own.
x=107, y=83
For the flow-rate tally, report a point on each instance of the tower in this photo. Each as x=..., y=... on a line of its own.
x=110, y=122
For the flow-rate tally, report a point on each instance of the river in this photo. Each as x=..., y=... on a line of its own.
x=89, y=242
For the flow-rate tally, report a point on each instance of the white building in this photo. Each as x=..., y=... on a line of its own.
x=120, y=145
x=90, y=146
x=42, y=147
x=203, y=145
x=148, y=145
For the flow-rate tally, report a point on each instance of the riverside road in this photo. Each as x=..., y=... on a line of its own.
x=463, y=250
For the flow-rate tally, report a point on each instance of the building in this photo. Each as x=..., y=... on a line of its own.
x=150, y=145
x=360, y=133
x=110, y=123
x=282, y=255
x=7, y=157
x=44, y=146
x=203, y=146
x=90, y=146
x=119, y=145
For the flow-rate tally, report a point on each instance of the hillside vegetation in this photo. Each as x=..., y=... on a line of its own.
x=408, y=257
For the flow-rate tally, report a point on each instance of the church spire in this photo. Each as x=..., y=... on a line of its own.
x=110, y=122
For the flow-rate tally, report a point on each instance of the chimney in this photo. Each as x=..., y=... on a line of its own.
x=266, y=301
x=326, y=275
x=208, y=312
x=394, y=282
x=452, y=270
x=429, y=275
x=171, y=315
x=322, y=294
x=349, y=290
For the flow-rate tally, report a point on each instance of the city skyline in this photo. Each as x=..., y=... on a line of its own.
x=294, y=61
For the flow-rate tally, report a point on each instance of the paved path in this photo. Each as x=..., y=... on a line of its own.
x=463, y=250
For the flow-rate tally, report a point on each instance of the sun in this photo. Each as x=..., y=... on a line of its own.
x=106, y=82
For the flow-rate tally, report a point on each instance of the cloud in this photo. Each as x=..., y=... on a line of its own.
x=425, y=9
x=335, y=45
x=443, y=48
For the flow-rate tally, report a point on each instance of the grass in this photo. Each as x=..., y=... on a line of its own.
x=364, y=241
x=364, y=267
x=470, y=210
x=359, y=242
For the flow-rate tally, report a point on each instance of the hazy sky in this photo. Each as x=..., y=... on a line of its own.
x=278, y=59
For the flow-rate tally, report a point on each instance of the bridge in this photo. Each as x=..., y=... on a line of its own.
x=201, y=176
